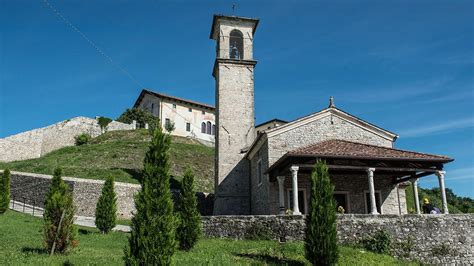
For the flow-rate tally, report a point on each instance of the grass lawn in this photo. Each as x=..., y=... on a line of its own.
x=121, y=154
x=21, y=243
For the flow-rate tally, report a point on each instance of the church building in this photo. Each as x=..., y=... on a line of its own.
x=266, y=169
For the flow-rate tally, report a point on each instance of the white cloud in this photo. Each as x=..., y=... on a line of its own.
x=438, y=128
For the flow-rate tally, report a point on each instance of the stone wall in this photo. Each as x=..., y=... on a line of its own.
x=38, y=142
x=430, y=239
x=31, y=189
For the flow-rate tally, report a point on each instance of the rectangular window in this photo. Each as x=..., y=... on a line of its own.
x=377, y=202
x=301, y=200
x=203, y=112
x=174, y=106
x=342, y=199
x=167, y=122
x=259, y=172
x=190, y=110
x=188, y=127
x=152, y=107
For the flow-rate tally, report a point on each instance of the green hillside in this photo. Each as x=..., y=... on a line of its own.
x=456, y=204
x=121, y=154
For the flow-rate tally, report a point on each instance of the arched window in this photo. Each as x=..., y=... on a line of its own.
x=236, y=45
x=203, y=127
x=213, y=130
x=209, y=128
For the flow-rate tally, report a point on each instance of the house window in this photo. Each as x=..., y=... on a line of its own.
x=188, y=127
x=203, y=127
x=174, y=106
x=301, y=200
x=209, y=128
x=203, y=112
x=190, y=109
x=213, y=130
x=342, y=199
x=259, y=172
x=152, y=107
x=167, y=122
x=378, y=200
x=236, y=45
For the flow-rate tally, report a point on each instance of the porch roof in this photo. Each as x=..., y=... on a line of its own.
x=345, y=155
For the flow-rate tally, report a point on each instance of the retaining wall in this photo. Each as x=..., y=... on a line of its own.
x=432, y=239
x=31, y=189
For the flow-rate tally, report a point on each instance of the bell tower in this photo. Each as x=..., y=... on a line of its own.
x=235, y=124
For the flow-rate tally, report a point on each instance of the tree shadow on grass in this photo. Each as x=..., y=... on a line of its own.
x=84, y=231
x=269, y=259
x=29, y=250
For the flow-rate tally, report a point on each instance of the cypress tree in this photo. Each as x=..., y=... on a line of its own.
x=321, y=235
x=5, y=191
x=106, y=208
x=152, y=240
x=59, y=231
x=189, y=218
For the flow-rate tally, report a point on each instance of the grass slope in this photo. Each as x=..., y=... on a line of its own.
x=21, y=244
x=121, y=154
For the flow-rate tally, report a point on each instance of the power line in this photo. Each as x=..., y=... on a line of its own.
x=97, y=48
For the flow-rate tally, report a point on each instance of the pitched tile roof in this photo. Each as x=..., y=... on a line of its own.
x=161, y=95
x=348, y=149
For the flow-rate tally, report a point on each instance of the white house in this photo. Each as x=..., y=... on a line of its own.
x=191, y=119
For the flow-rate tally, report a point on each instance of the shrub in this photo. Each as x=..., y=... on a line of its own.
x=59, y=231
x=141, y=116
x=170, y=127
x=106, y=209
x=152, y=240
x=189, y=218
x=5, y=191
x=321, y=235
x=379, y=243
x=103, y=122
x=82, y=139
x=258, y=232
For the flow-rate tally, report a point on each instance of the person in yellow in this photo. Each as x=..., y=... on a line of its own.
x=428, y=208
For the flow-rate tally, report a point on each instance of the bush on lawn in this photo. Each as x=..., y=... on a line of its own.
x=82, y=139
x=152, y=240
x=59, y=231
x=5, y=191
x=106, y=209
x=103, y=122
x=380, y=242
x=321, y=235
x=189, y=218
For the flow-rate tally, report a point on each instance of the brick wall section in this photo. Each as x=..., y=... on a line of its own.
x=31, y=189
x=426, y=232
x=38, y=142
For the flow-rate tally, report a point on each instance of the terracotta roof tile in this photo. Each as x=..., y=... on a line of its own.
x=343, y=148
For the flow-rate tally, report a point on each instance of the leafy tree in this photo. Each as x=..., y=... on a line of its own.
x=59, y=231
x=103, y=122
x=189, y=218
x=321, y=235
x=141, y=116
x=5, y=191
x=152, y=240
x=106, y=209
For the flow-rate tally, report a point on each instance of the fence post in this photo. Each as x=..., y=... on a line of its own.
x=24, y=202
x=34, y=203
x=13, y=207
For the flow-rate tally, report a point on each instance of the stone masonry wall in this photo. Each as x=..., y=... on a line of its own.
x=38, y=142
x=431, y=239
x=31, y=189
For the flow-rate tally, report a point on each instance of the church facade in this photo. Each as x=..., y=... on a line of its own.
x=266, y=170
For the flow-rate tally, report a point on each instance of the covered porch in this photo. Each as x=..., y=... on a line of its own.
x=367, y=178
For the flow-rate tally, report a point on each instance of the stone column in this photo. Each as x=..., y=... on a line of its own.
x=414, y=182
x=440, y=175
x=294, y=174
x=370, y=174
x=281, y=193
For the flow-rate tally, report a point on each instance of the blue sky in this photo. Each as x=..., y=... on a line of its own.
x=407, y=66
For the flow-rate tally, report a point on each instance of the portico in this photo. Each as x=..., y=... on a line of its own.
x=363, y=173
